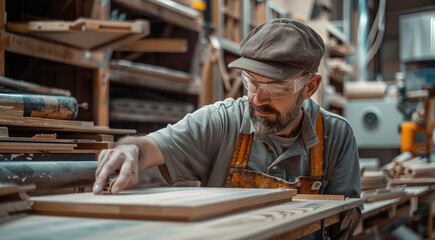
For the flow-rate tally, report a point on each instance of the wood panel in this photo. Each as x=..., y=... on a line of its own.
x=162, y=203
x=83, y=33
x=262, y=223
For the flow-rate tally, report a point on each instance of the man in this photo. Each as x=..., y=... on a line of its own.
x=276, y=136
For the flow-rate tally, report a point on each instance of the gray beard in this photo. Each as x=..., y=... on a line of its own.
x=264, y=126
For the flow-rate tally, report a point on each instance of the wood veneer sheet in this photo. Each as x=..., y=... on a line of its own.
x=182, y=204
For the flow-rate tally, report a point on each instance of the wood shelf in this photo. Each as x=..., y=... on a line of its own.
x=168, y=11
x=87, y=34
x=144, y=75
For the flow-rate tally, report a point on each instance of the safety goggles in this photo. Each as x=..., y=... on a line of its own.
x=275, y=89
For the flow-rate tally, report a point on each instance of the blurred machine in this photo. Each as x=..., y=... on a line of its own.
x=375, y=122
x=417, y=85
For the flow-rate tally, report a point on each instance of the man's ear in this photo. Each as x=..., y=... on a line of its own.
x=312, y=86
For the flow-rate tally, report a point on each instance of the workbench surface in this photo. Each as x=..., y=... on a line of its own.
x=297, y=218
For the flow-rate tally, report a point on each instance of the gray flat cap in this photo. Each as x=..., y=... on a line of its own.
x=279, y=49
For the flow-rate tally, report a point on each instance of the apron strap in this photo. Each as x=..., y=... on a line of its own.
x=241, y=153
x=317, y=150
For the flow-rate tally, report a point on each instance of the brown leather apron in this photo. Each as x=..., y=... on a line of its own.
x=241, y=177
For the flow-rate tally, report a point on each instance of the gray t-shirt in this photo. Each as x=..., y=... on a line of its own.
x=200, y=147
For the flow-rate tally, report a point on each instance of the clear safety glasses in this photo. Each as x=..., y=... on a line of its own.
x=275, y=89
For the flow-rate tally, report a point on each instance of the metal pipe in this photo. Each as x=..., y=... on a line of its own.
x=49, y=175
x=362, y=40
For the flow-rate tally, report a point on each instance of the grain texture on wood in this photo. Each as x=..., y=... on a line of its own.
x=183, y=204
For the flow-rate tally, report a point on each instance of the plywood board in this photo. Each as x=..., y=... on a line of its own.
x=262, y=223
x=59, y=125
x=83, y=33
x=183, y=204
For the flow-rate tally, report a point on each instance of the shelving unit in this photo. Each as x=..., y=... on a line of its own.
x=170, y=69
x=338, y=70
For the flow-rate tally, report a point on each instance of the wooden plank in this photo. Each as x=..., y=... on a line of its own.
x=95, y=145
x=35, y=140
x=162, y=9
x=157, y=45
x=153, y=71
x=13, y=146
x=2, y=42
x=42, y=121
x=153, y=77
x=319, y=197
x=95, y=137
x=411, y=182
x=61, y=126
x=33, y=87
x=101, y=86
x=185, y=204
x=82, y=33
x=50, y=51
x=120, y=42
x=101, y=9
x=262, y=223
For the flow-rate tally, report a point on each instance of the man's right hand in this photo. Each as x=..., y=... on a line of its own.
x=125, y=158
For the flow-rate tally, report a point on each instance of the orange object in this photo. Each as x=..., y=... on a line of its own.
x=240, y=177
x=413, y=138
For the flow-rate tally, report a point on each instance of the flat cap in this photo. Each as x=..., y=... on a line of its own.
x=279, y=49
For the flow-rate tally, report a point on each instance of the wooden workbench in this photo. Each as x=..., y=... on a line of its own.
x=285, y=221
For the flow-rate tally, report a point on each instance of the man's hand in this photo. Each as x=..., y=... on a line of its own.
x=125, y=158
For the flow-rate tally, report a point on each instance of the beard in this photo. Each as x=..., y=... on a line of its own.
x=264, y=125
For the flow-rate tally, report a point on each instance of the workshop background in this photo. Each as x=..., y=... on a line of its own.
x=75, y=75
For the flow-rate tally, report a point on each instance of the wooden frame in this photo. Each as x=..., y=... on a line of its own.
x=2, y=43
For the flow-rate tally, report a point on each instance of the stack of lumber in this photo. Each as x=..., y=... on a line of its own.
x=409, y=171
x=401, y=168
x=373, y=180
x=381, y=194
x=39, y=124
x=13, y=200
x=35, y=135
